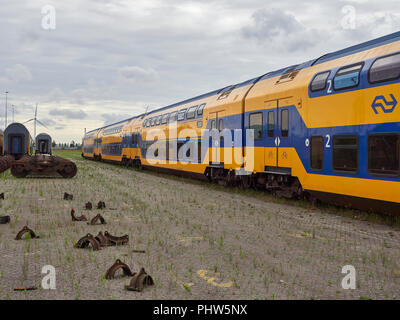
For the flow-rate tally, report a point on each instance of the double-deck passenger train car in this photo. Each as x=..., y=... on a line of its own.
x=17, y=141
x=43, y=144
x=327, y=128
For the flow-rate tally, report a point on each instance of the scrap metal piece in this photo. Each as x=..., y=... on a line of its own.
x=96, y=219
x=74, y=218
x=88, y=206
x=4, y=219
x=139, y=281
x=101, y=205
x=6, y=162
x=116, y=266
x=138, y=251
x=25, y=289
x=2, y=196
x=26, y=230
x=86, y=240
x=104, y=242
x=68, y=196
x=115, y=241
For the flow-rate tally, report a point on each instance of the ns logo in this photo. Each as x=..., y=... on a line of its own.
x=387, y=106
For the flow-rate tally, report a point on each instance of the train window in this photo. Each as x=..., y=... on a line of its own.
x=144, y=123
x=256, y=123
x=164, y=119
x=199, y=124
x=347, y=77
x=181, y=115
x=220, y=124
x=319, y=81
x=191, y=112
x=345, y=153
x=173, y=116
x=158, y=120
x=213, y=124
x=317, y=153
x=200, y=109
x=285, y=123
x=385, y=69
x=383, y=154
x=271, y=124
x=152, y=121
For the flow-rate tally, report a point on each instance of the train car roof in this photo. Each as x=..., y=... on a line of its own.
x=327, y=57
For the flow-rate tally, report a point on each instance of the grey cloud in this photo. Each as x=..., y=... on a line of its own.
x=136, y=73
x=18, y=72
x=68, y=113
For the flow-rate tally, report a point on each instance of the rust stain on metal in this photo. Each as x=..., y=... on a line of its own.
x=86, y=240
x=26, y=230
x=139, y=281
x=75, y=218
x=115, y=267
x=96, y=219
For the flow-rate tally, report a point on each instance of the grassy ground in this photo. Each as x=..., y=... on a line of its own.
x=202, y=241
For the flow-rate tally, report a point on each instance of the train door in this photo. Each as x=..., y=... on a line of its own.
x=283, y=138
x=216, y=154
x=16, y=145
x=271, y=140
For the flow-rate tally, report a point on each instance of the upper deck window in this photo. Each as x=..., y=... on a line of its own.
x=191, y=112
x=181, y=115
x=158, y=120
x=164, y=119
x=385, y=69
x=347, y=77
x=200, y=109
x=319, y=81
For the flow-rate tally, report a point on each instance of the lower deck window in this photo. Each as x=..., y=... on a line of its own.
x=345, y=153
x=383, y=154
x=317, y=153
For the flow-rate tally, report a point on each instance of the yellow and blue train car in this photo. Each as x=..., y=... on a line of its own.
x=327, y=128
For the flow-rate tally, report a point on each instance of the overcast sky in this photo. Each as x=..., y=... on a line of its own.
x=107, y=60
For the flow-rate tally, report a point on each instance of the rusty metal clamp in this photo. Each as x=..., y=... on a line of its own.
x=116, y=266
x=86, y=240
x=74, y=218
x=139, y=281
x=96, y=219
x=26, y=230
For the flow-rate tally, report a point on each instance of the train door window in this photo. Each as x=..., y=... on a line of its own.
x=383, y=154
x=347, y=77
x=271, y=124
x=220, y=124
x=181, y=115
x=385, y=69
x=317, y=153
x=200, y=109
x=213, y=124
x=319, y=81
x=345, y=153
x=256, y=123
x=285, y=123
x=199, y=124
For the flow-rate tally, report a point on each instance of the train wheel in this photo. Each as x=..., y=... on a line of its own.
x=19, y=171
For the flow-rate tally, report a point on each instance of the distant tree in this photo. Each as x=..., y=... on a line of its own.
x=53, y=144
x=72, y=144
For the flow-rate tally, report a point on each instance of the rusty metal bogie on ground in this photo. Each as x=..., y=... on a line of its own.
x=43, y=165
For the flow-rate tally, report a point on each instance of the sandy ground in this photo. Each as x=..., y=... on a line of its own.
x=202, y=241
